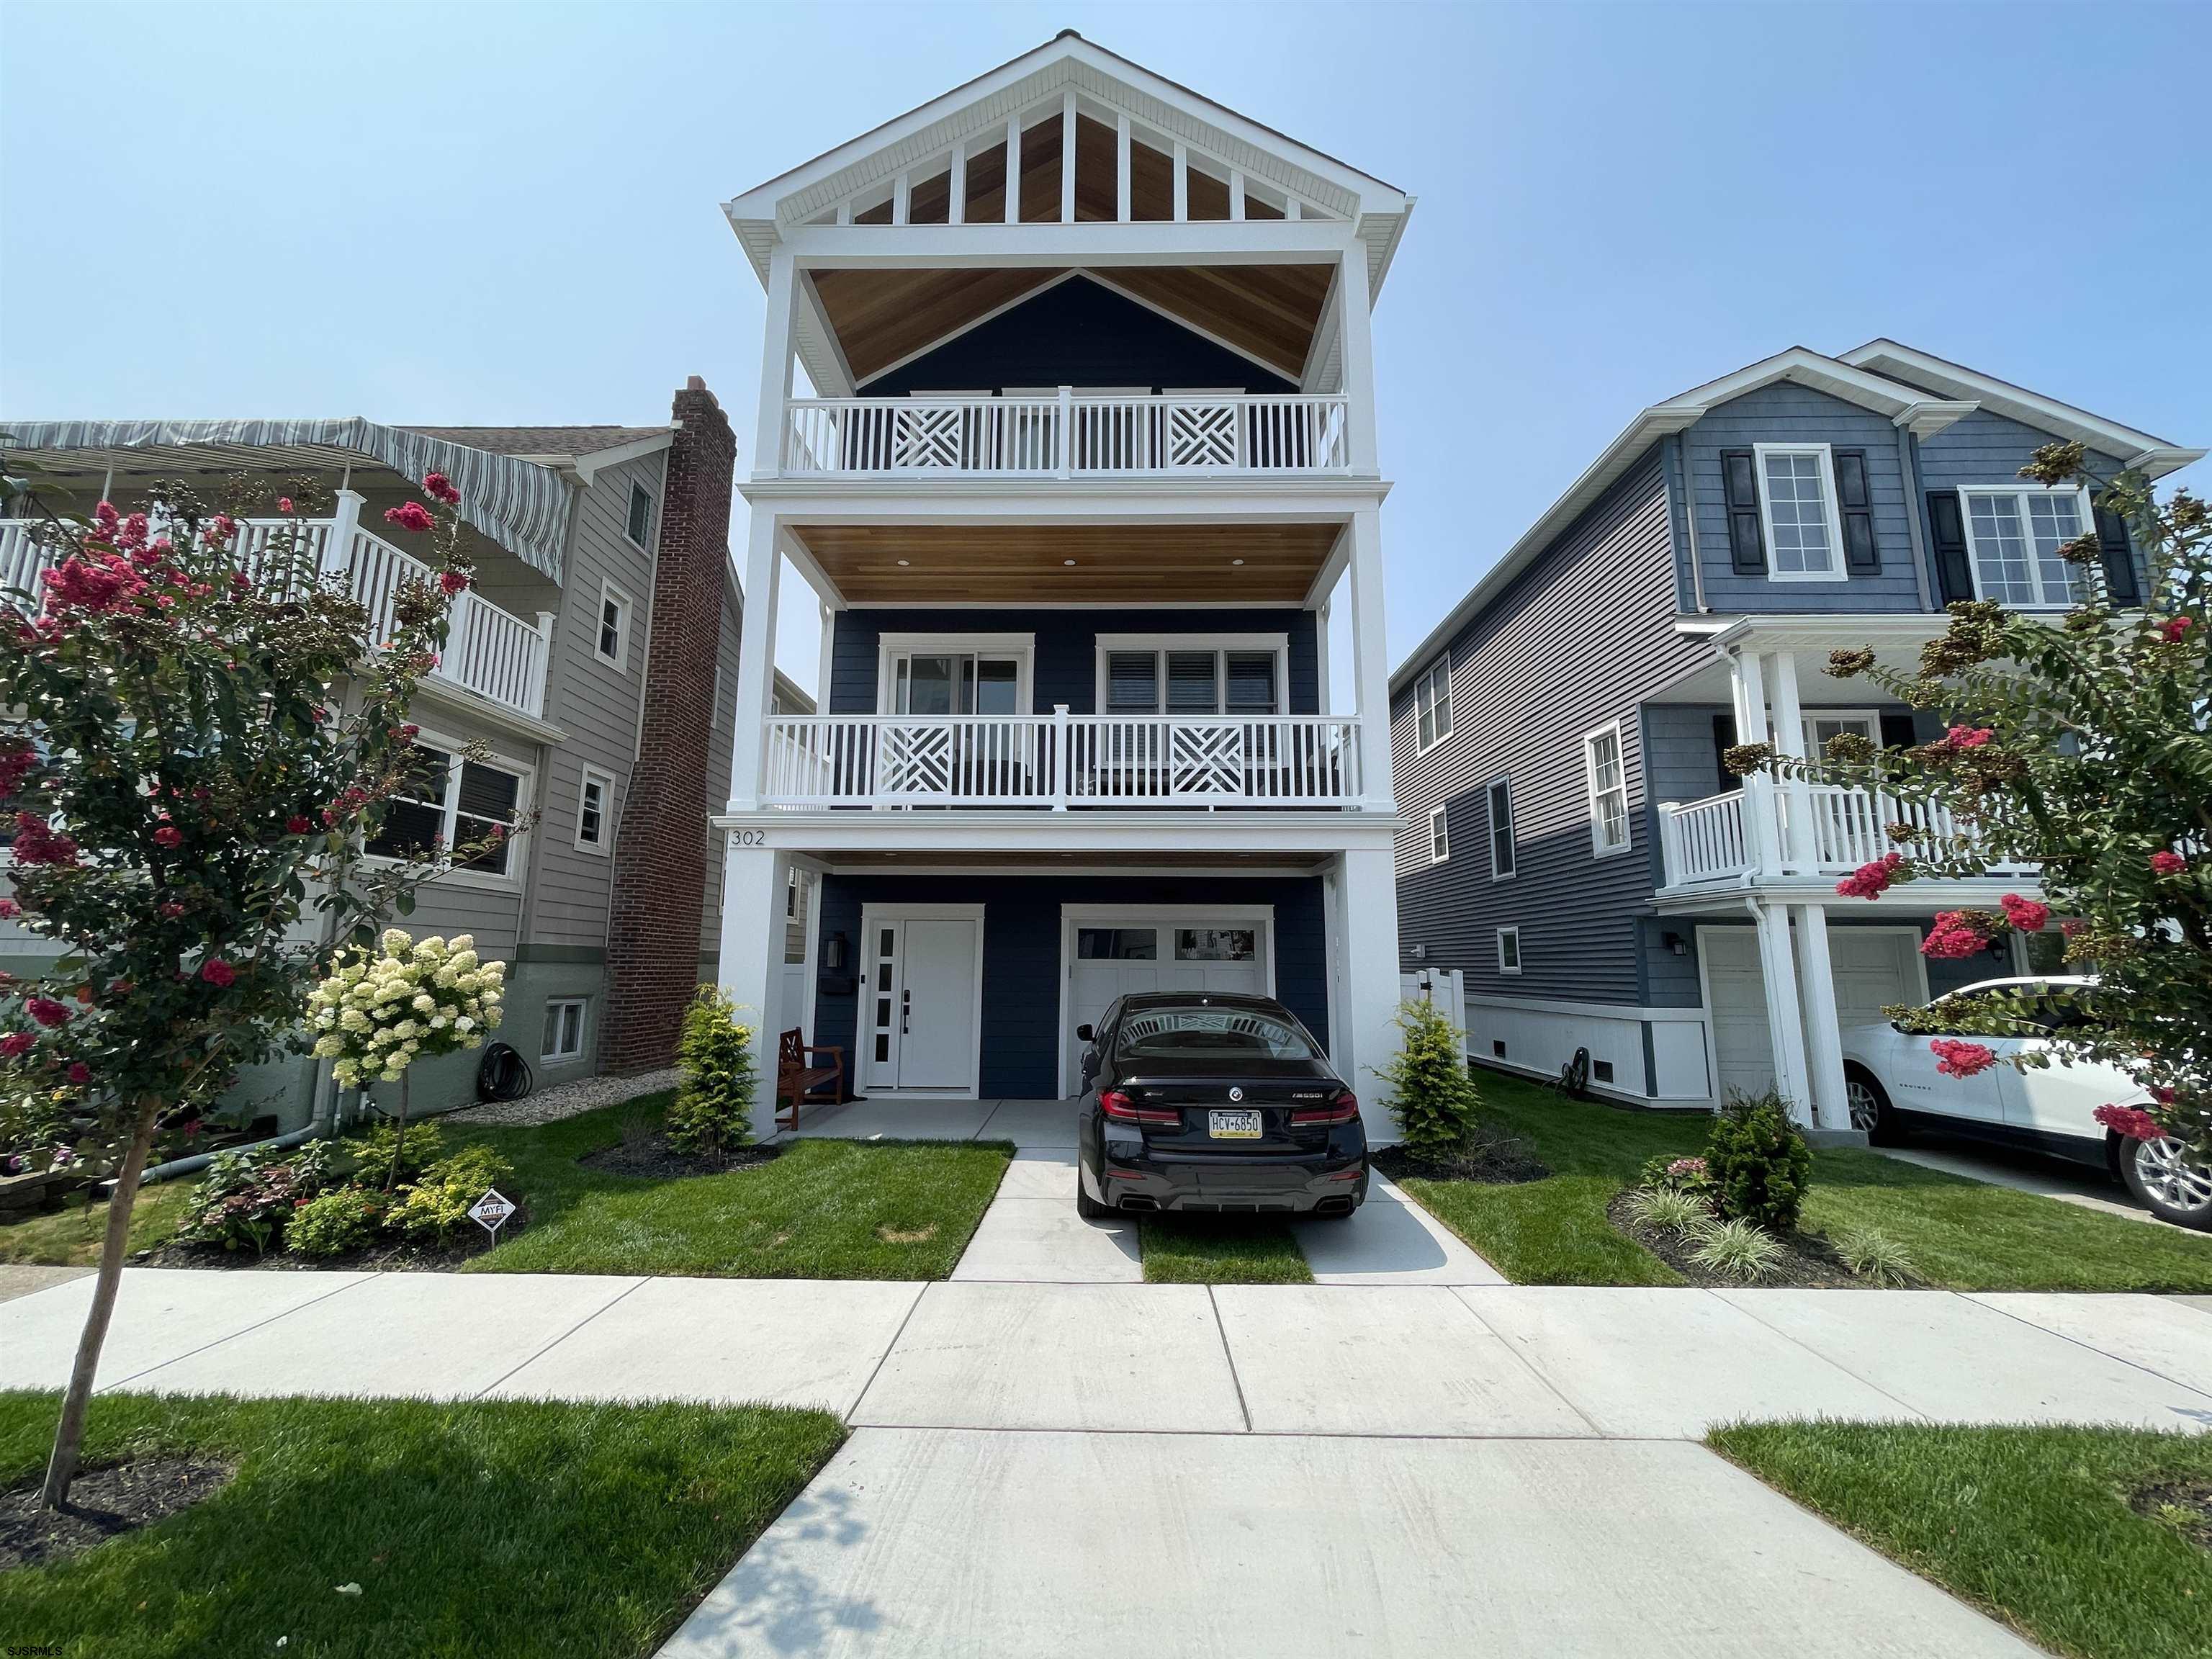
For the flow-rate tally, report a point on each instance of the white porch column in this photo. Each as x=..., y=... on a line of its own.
x=775, y=372
x=345, y=520
x=755, y=660
x=1784, y=1023
x=1321, y=628
x=1761, y=822
x=1354, y=321
x=1799, y=844
x=1824, y=1035
x=829, y=642
x=750, y=967
x=1371, y=672
x=1367, y=934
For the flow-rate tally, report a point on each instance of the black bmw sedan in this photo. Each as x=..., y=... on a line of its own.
x=1202, y=1101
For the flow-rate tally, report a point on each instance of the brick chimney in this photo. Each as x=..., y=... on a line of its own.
x=661, y=850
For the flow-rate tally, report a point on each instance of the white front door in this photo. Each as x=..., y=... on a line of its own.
x=1113, y=955
x=919, y=1010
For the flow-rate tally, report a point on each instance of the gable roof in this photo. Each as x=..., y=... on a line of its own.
x=1911, y=406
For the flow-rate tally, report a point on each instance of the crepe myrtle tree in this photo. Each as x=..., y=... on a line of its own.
x=2082, y=744
x=189, y=793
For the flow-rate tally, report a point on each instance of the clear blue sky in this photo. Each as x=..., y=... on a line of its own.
x=471, y=213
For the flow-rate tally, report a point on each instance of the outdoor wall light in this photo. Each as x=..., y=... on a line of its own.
x=1675, y=943
x=1419, y=952
x=833, y=953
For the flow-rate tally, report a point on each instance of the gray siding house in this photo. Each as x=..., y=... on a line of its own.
x=1575, y=847
x=547, y=667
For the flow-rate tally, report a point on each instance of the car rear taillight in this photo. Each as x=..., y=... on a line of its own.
x=1342, y=1109
x=1115, y=1104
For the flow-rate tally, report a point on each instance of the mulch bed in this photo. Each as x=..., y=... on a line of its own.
x=103, y=1503
x=1503, y=1162
x=1808, y=1261
x=2185, y=1506
x=657, y=1160
x=385, y=1257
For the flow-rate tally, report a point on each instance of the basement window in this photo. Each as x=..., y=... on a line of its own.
x=564, y=1029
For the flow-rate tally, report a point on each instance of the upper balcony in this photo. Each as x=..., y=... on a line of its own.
x=1750, y=837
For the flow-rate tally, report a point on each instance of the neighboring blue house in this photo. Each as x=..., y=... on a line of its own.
x=1067, y=418
x=1574, y=844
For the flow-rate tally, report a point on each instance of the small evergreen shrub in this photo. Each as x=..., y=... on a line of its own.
x=373, y=1153
x=435, y=1205
x=1759, y=1162
x=1737, y=1249
x=1431, y=1095
x=1669, y=1209
x=1873, y=1255
x=713, y=1114
x=332, y=1223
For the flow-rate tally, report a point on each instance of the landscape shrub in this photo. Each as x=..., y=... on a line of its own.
x=1873, y=1255
x=1759, y=1162
x=1669, y=1172
x=713, y=1114
x=334, y=1222
x=1669, y=1209
x=419, y=1147
x=1431, y=1095
x=247, y=1197
x=1738, y=1248
x=438, y=1203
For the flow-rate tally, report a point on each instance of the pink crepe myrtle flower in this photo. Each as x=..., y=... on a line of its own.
x=452, y=581
x=37, y=842
x=284, y=505
x=409, y=515
x=440, y=486
x=1955, y=935
x=105, y=519
x=1872, y=880
x=217, y=972
x=2168, y=862
x=171, y=910
x=80, y=1073
x=168, y=836
x=45, y=1010
x=2175, y=627
x=1955, y=1058
x=220, y=529
x=2132, y=1121
x=297, y=824
x=10, y=910
x=1967, y=737
x=2026, y=916
x=16, y=765
x=16, y=1044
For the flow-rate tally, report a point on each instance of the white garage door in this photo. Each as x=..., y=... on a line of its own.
x=1873, y=967
x=1171, y=951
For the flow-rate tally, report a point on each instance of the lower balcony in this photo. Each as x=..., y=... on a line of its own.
x=1063, y=762
x=492, y=652
x=1747, y=837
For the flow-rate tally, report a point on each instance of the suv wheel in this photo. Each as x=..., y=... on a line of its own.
x=1870, y=1106
x=2172, y=1186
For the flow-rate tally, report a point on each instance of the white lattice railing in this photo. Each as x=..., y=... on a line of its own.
x=1066, y=434
x=1746, y=835
x=489, y=651
x=1061, y=761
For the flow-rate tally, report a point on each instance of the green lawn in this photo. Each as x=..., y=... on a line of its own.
x=1960, y=1234
x=1222, y=1251
x=2031, y=1524
x=825, y=1209
x=491, y=1529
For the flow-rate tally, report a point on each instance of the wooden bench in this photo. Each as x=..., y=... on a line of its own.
x=794, y=1077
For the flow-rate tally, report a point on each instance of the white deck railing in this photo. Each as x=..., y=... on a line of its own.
x=1066, y=434
x=489, y=651
x=1061, y=761
x=1745, y=835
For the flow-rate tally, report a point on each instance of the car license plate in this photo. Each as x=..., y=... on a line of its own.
x=1233, y=1126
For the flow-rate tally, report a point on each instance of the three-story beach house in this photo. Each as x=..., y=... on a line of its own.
x=1067, y=418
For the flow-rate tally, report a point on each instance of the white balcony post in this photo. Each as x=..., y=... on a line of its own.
x=345, y=523
x=460, y=630
x=1784, y=1022
x=1068, y=158
x=1321, y=630
x=1761, y=822
x=1122, y=166
x=1801, y=839
x=956, y=206
x=1824, y=1031
x=756, y=661
x=1367, y=933
x=1067, y=430
x=543, y=665
x=1354, y=325
x=773, y=420
x=750, y=968
x=1061, y=732
x=1370, y=673
x=1670, y=843
x=1013, y=169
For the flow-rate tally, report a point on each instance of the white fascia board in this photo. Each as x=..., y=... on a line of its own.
x=1806, y=367
x=2137, y=447
x=1725, y=900
x=1931, y=415
x=1814, y=631
x=1108, y=500
x=1101, y=243
x=588, y=466
x=985, y=830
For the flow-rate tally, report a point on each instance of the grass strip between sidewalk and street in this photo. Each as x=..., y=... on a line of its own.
x=1222, y=1251
x=2033, y=1525
x=1960, y=1234
x=494, y=1529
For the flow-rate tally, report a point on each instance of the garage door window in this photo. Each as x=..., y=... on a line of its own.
x=1116, y=945
x=1216, y=944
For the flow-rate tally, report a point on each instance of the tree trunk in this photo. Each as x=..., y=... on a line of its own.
x=69, y=1434
x=398, y=1134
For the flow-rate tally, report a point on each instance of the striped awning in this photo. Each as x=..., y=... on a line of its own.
x=522, y=506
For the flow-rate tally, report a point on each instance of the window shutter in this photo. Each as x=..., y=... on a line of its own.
x=1747, y=541
x=2119, y=567
x=1855, y=501
x=1897, y=731
x=1946, y=523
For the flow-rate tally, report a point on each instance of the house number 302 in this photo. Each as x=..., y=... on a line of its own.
x=748, y=837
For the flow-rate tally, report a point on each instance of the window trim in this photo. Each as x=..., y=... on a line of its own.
x=1807, y=715
x=583, y=1004
x=525, y=792
x=1830, y=508
x=1490, y=793
x=1598, y=848
x=620, y=661
x=1512, y=932
x=2021, y=488
x=1439, y=837
x=1443, y=666
x=1278, y=645
x=890, y=648
x=651, y=507
x=604, y=846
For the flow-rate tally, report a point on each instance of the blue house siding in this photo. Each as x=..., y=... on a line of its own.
x=1577, y=640
x=1788, y=413
x=1081, y=333
x=1982, y=448
x=1067, y=648
x=1022, y=968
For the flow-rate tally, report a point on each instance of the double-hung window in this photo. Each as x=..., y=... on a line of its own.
x=1432, y=704
x=1439, y=837
x=595, y=798
x=1797, y=500
x=2013, y=533
x=1606, y=775
x=1228, y=676
x=445, y=800
x=612, y=641
x=638, y=526
x=1500, y=795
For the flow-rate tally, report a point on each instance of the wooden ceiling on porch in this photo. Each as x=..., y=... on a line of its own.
x=1027, y=564
x=884, y=317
